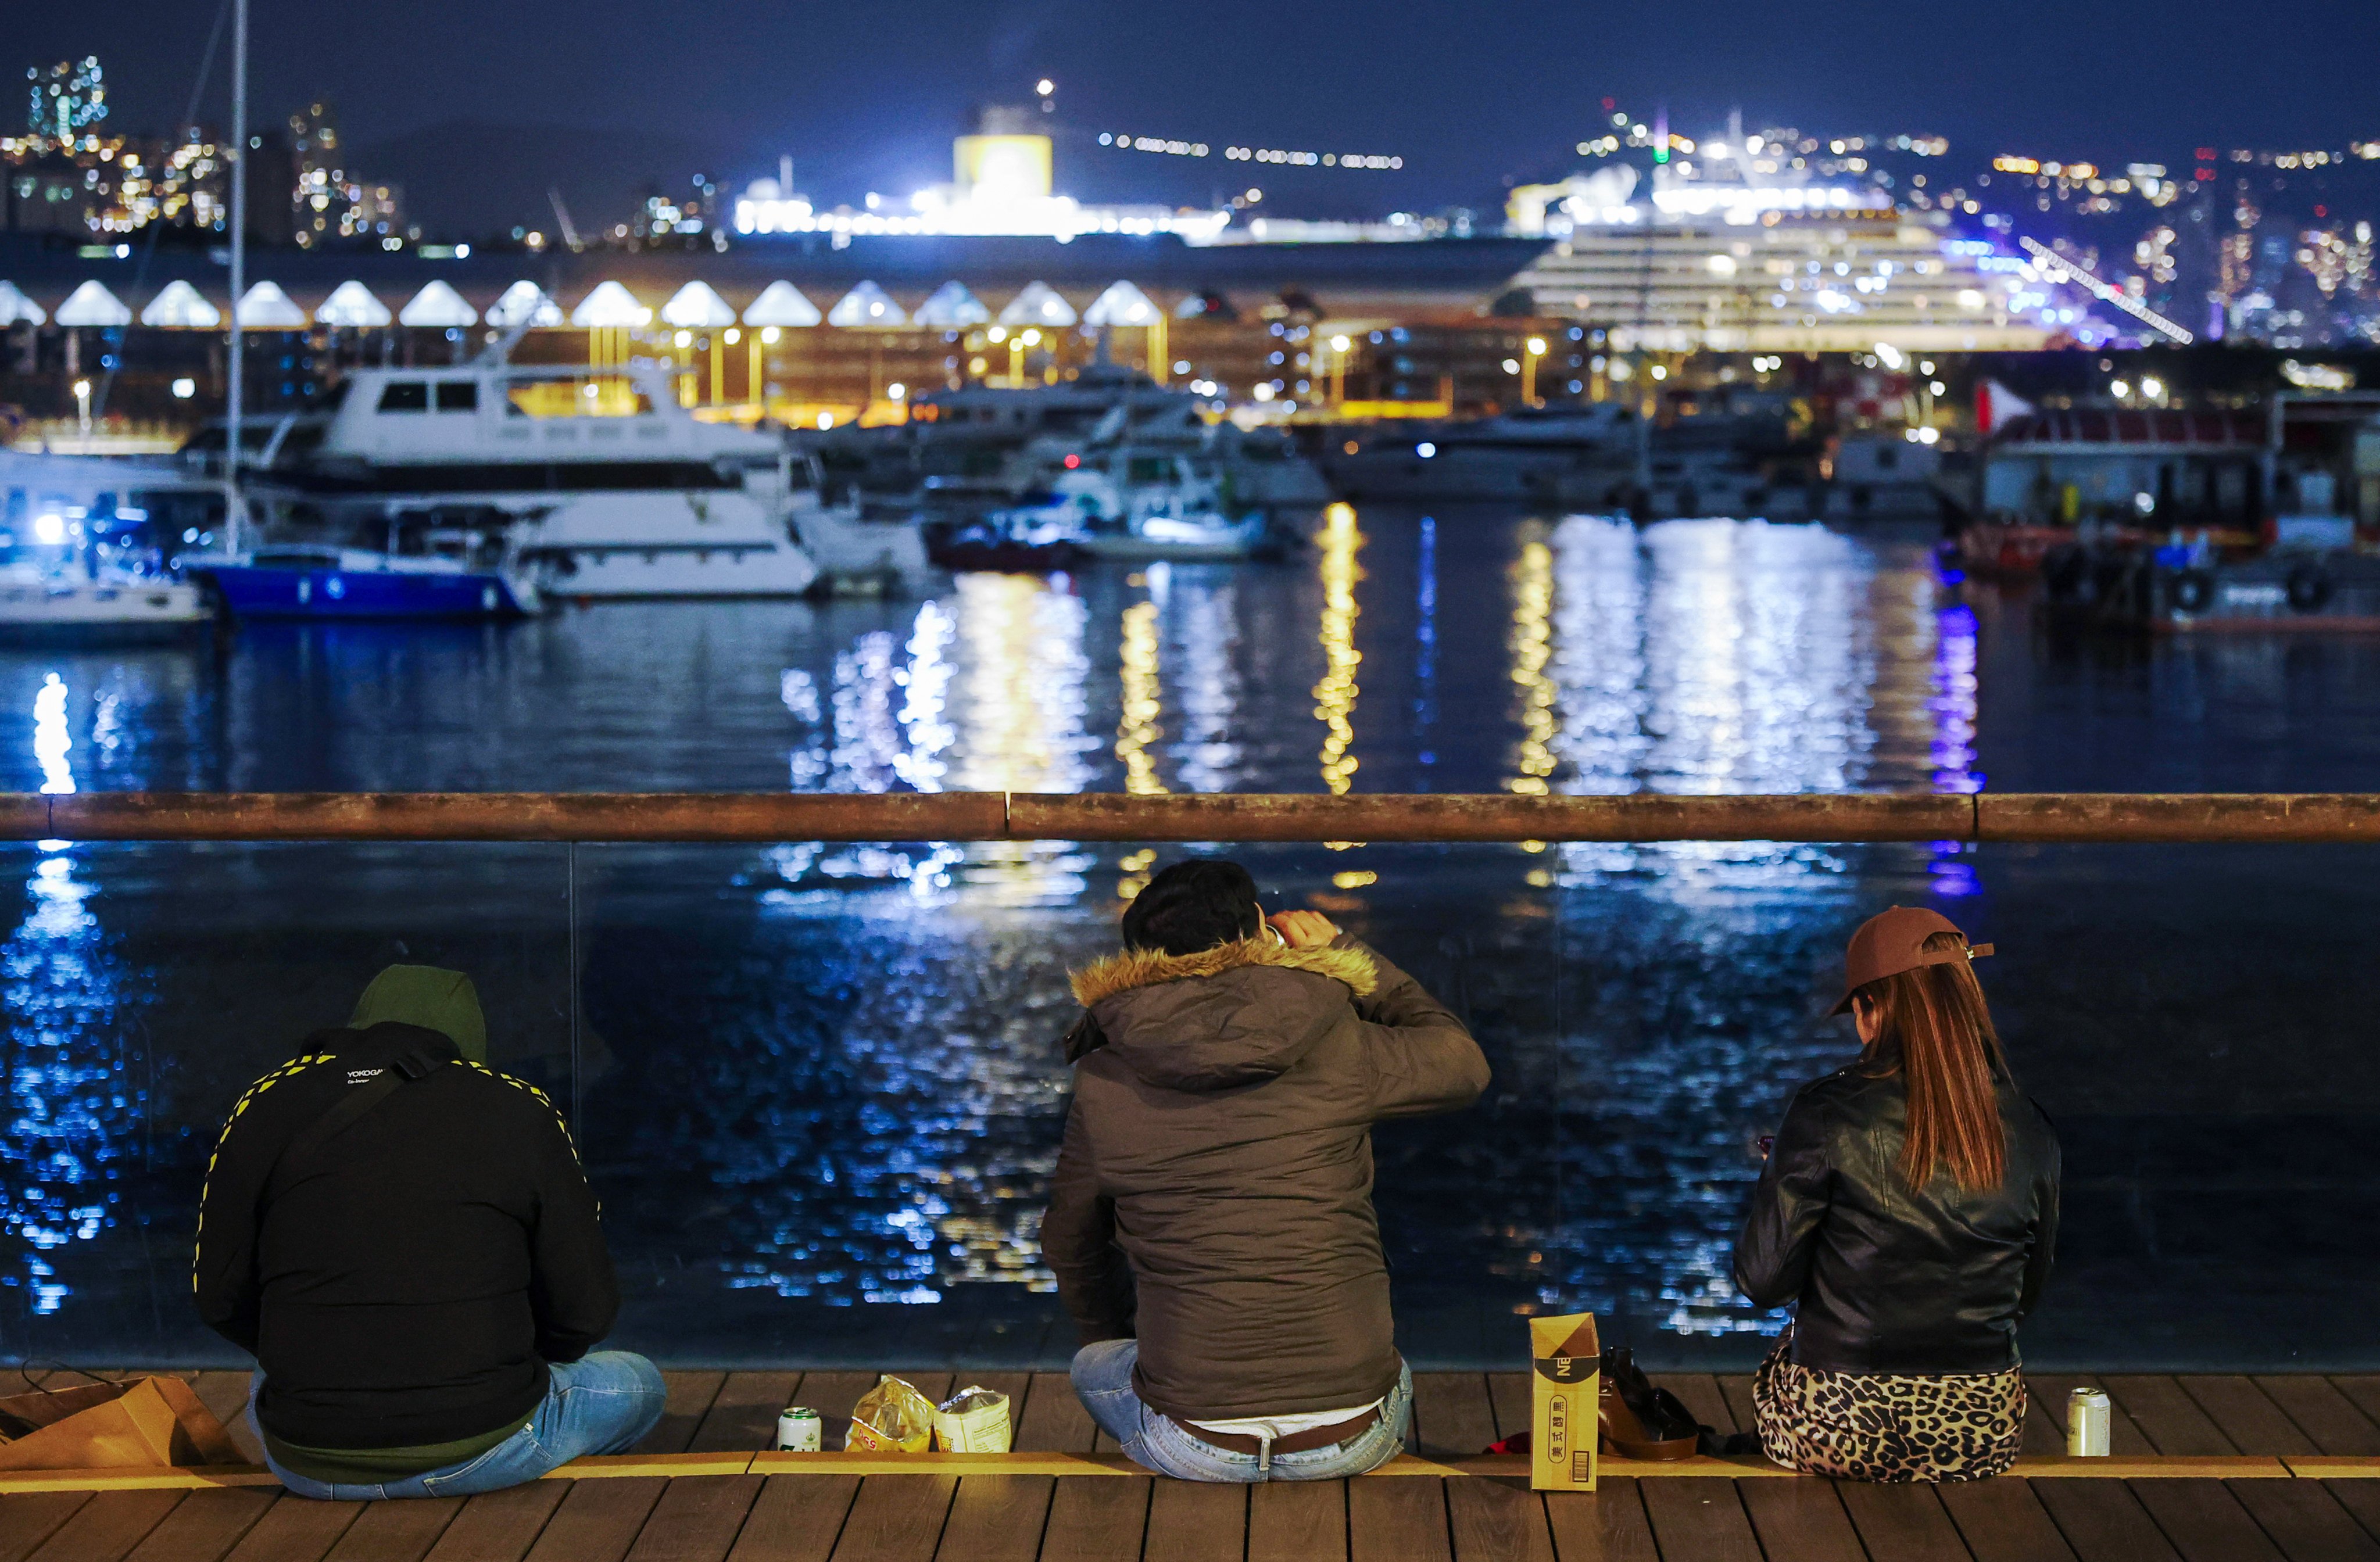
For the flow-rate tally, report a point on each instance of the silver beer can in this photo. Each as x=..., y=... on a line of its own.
x=800, y=1430
x=2088, y=1416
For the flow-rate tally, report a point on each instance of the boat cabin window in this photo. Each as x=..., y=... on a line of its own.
x=594, y=396
x=405, y=396
x=459, y=395
x=1150, y=469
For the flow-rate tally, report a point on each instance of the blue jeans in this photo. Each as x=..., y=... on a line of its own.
x=603, y=1403
x=1102, y=1374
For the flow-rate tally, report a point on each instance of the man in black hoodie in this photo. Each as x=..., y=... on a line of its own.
x=403, y=1238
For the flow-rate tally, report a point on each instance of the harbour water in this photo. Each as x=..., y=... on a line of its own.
x=818, y=1086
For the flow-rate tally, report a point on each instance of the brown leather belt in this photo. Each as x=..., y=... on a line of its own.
x=1296, y=1443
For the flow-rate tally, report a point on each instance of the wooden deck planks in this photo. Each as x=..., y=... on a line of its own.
x=1802, y=1520
x=1397, y=1520
x=2327, y=1416
x=2245, y=1415
x=1502, y=1519
x=106, y=1528
x=1193, y=1523
x=895, y=1518
x=796, y=1519
x=2168, y=1416
x=1053, y=1420
x=295, y=1530
x=744, y=1413
x=1736, y=1388
x=1701, y=1519
x=26, y=1521
x=2306, y=1521
x=2103, y=1521
x=696, y=1519
x=690, y=1396
x=997, y=1518
x=394, y=1531
x=1453, y=1414
x=2004, y=1521
x=1099, y=1520
x=1301, y=1520
x=2203, y=1521
x=597, y=1520
x=1906, y=1523
x=1607, y=1525
x=499, y=1526
x=205, y=1526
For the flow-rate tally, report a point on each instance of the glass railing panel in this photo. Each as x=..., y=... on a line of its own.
x=143, y=987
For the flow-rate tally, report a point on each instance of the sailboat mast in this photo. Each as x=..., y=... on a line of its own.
x=234, y=509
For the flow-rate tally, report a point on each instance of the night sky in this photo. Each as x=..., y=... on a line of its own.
x=867, y=96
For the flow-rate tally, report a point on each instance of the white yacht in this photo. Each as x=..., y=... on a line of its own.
x=1142, y=505
x=613, y=488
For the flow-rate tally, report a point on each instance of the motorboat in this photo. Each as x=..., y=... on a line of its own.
x=38, y=607
x=78, y=558
x=1524, y=456
x=455, y=574
x=1140, y=504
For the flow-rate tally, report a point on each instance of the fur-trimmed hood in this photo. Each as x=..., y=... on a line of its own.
x=1236, y=1014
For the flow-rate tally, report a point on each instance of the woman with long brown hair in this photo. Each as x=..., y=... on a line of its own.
x=1908, y=1211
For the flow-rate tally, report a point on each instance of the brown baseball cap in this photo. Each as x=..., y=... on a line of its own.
x=1893, y=941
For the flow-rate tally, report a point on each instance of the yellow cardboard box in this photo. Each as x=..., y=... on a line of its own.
x=1567, y=1378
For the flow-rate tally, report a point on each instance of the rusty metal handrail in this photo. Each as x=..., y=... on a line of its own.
x=2069, y=817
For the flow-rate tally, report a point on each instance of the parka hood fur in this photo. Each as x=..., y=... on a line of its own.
x=1146, y=968
x=1237, y=1014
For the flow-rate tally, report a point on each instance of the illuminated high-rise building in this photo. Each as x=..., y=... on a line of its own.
x=327, y=200
x=66, y=99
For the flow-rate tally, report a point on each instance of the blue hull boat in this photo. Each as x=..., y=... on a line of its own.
x=349, y=582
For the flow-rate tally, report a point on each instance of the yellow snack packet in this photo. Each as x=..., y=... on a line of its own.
x=893, y=1417
x=972, y=1421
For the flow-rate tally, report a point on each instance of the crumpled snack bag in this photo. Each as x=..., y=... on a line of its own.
x=890, y=1418
x=972, y=1421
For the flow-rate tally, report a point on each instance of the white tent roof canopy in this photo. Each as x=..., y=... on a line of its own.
x=524, y=301
x=1121, y=304
x=867, y=304
x=92, y=305
x=609, y=306
x=953, y=307
x=697, y=306
x=438, y=305
x=15, y=305
x=1040, y=304
x=268, y=307
x=352, y=304
x=781, y=303
x=178, y=307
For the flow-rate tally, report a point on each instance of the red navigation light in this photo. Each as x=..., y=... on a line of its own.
x=2206, y=154
x=1073, y=461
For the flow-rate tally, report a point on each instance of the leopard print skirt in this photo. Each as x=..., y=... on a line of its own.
x=1859, y=1426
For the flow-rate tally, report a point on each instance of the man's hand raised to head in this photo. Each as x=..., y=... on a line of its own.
x=1303, y=929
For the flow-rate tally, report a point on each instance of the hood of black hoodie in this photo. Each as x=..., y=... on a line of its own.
x=1234, y=1015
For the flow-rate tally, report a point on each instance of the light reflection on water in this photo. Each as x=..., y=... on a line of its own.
x=73, y=1111
x=835, y=1080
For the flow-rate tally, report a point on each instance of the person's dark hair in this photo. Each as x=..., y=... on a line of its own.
x=1192, y=906
x=1937, y=1018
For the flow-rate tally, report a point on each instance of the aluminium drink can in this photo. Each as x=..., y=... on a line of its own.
x=2088, y=1415
x=800, y=1430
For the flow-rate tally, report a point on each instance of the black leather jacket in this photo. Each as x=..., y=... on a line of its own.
x=1889, y=1280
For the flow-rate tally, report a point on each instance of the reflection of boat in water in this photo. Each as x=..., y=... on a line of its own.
x=1129, y=503
x=457, y=578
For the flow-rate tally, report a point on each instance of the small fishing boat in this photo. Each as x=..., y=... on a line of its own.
x=43, y=608
x=1141, y=506
x=452, y=580
x=1003, y=547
